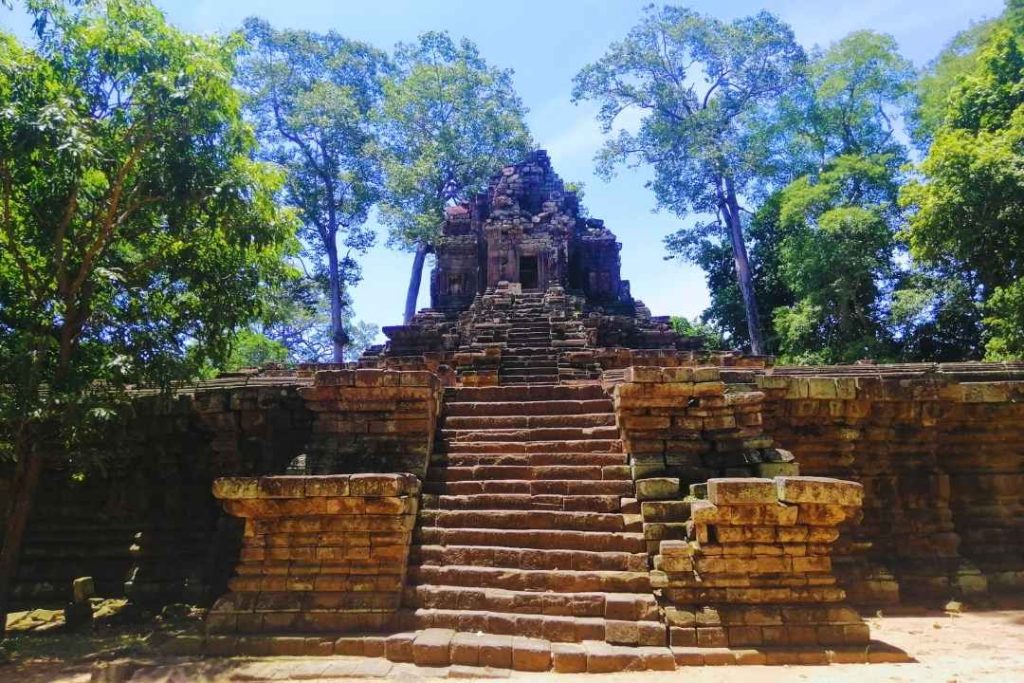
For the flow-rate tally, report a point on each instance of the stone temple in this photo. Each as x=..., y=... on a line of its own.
x=523, y=244
x=537, y=474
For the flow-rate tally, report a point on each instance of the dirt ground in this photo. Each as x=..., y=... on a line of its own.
x=948, y=648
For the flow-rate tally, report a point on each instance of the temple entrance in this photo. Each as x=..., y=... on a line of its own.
x=528, y=272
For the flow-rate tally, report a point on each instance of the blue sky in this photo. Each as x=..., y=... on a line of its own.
x=546, y=42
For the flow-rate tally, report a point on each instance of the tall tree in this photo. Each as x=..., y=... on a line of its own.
x=967, y=206
x=314, y=98
x=837, y=253
x=839, y=219
x=136, y=227
x=450, y=119
x=940, y=77
x=704, y=86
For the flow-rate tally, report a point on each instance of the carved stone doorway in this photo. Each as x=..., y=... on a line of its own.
x=528, y=272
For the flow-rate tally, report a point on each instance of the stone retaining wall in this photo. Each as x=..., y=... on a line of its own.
x=320, y=554
x=942, y=463
x=371, y=420
x=756, y=569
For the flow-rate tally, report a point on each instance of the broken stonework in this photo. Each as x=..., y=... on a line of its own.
x=320, y=553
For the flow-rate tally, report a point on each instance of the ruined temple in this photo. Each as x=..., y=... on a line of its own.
x=525, y=241
x=536, y=473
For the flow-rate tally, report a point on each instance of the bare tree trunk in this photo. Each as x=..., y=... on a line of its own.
x=23, y=493
x=731, y=209
x=338, y=337
x=413, y=293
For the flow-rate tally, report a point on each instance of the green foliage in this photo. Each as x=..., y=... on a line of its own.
x=936, y=317
x=967, y=205
x=136, y=229
x=252, y=350
x=941, y=77
x=449, y=120
x=852, y=90
x=709, y=335
x=725, y=311
x=703, y=85
x=1005, y=323
x=314, y=99
x=297, y=316
x=705, y=88
x=837, y=251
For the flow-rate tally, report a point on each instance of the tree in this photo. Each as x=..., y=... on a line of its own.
x=449, y=119
x=838, y=220
x=136, y=227
x=940, y=77
x=851, y=95
x=314, y=99
x=704, y=86
x=967, y=205
x=295, y=327
x=837, y=253
x=714, y=256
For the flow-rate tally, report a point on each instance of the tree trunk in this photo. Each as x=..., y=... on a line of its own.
x=413, y=293
x=338, y=337
x=23, y=493
x=731, y=209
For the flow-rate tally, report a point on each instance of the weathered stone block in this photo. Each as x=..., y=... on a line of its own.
x=819, y=490
x=741, y=491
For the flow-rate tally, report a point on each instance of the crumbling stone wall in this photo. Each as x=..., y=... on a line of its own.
x=143, y=520
x=321, y=553
x=371, y=420
x=756, y=568
x=942, y=463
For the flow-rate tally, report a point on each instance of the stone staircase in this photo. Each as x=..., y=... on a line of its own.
x=528, y=524
x=528, y=357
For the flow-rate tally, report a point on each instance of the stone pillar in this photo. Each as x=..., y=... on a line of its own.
x=756, y=570
x=320, y=553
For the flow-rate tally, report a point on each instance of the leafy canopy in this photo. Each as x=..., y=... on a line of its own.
x=313, y=98
x=702, y=85
x=449, y=120
x=136, y=227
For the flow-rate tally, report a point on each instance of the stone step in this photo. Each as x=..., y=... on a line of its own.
x=527, y=558
x=441, y=460
x=528, y=380
x=503, y=408
x=529, y=363
x=562, y=446
x=566, y=392
x=634, y=606
x=527, y=472
x=528, y=421
x=620, y=488
x=533, y=370
x=529, y=434
x=522, y=501
x=595, y=541
x=529, y=352
x=493, y=645
x=557, y=580
x=530, y=519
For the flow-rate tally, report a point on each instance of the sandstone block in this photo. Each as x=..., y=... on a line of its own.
x=431, y=647
x=742, y=491
x=530, y=654
x=236, y=487
x=465, y=649
x=327, y=485
x=656, y=488
x=398, y=647
x=820, y=490
x=568, y=658
x=495, y=650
